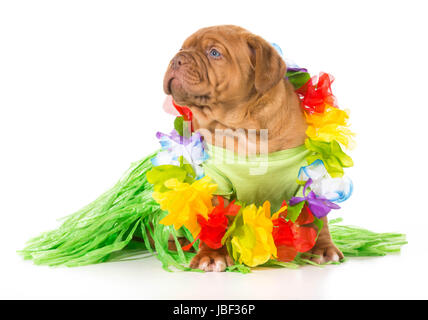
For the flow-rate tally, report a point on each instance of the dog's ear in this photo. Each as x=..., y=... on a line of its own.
x=269, y=67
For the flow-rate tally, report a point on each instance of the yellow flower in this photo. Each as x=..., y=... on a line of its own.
x=252, y=241
x=330, y=125
x=331, y=115
x=185, y=201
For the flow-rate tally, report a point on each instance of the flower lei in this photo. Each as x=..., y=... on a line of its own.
x=256, y=235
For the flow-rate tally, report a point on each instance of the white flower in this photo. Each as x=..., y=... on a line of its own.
x=333, y=189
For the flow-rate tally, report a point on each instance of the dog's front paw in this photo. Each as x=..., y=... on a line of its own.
x=325, y=252
x=208, y=259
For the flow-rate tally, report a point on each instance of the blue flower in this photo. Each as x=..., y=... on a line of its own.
x=175, y=146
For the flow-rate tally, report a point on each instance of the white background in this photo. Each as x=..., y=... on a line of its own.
x=81, y=96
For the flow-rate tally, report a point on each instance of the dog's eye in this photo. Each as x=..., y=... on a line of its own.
x=215, y=54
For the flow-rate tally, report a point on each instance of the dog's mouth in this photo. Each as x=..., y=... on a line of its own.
x=168, y=87
x=175, y=88
x=186, y=86
x=183, y=95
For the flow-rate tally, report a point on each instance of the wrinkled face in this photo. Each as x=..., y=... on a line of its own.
x=222, y=65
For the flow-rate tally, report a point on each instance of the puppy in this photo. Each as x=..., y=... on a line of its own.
x=233, y=79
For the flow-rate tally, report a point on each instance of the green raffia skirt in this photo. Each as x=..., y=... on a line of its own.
x=106, y=229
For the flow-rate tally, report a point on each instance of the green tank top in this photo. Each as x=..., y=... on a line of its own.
x=256, y=179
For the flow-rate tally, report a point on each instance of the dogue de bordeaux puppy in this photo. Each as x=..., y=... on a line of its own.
x=233, y=79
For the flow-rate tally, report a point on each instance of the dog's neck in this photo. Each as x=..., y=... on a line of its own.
x=274, y=117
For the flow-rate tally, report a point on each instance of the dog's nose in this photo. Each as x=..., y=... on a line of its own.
x=178, y=61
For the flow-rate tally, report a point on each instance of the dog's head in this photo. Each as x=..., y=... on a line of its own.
x=222, y=65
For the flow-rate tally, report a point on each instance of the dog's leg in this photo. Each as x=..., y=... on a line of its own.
x=208, y=259
x=171, y=242
x=181, y=240
x=324, y=247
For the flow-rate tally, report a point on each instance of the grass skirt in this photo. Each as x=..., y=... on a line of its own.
x=106, y=229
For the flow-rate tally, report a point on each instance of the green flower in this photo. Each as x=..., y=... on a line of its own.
x=331, y=154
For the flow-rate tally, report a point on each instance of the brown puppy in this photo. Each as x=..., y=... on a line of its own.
x=233, y=79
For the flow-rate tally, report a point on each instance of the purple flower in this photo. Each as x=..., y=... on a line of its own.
x=319, y=206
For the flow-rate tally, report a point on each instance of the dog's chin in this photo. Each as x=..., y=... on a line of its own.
x=178, y=93
x=185, y=97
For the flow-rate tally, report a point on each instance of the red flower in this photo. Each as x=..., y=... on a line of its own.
x=315, y=96
x=291, y=238
x=214, y=228
x=184, y=111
